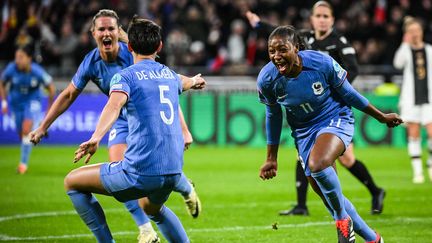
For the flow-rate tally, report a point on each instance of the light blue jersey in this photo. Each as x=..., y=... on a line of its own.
x=94, y=69
x=25, y=86
x=24, y=94
x=317, y=101
x=155, y=142
x=309, y=98
x=100, y=72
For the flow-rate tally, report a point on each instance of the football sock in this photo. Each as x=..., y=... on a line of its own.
x=360, y=171
x=414, y=150
x=26, y=148
x=359, y=225
x=138, y=214
x=328, y=182
x=301, y=185
x=169, y=225
x=183, y=186
x=90, y=211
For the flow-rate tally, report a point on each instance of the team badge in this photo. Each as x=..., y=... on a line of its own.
x=115, y=79
x=317, y=88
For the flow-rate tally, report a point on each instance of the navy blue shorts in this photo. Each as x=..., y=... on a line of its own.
x=126, y=186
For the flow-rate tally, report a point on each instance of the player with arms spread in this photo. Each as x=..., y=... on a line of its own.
x=99, y=66
x=152, y=164
x=313, y=89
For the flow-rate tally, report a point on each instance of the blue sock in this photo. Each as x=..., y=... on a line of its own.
x=183, y=186
x=90, y=211
x=137, y=213
x=26, y=148
x=328, y=182
x=360, y=226
x=170, y=226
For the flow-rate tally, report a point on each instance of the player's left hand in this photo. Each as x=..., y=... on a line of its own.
x=188, y=140
x=37, y=135
x=392, y=120
x=87, y=148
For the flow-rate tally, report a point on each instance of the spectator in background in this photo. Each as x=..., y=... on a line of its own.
x=414, y=56
x=236, y=42
x=65, y=49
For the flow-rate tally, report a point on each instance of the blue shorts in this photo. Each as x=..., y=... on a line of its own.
x=126, y=186
x=31, y=111
x=118, y=132
x=341, y=126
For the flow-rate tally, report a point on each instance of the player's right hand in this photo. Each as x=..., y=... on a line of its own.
x=37, y=135
x=87, y=148
x=188, y=140
x=268, y=170
x=252, y=18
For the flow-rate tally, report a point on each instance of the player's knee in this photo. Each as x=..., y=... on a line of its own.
x=318, y=164
x=347, y=161
x=68, y=181
x=149, y=208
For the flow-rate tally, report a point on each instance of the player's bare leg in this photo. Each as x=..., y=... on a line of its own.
x=26, y=146
x=79, y=185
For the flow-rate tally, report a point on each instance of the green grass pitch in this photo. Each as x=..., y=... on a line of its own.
x=237, y=205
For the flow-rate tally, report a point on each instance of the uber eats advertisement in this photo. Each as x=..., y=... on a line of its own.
x=214, y=118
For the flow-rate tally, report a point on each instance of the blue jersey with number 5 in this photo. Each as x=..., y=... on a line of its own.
x=310, y=97
x=155, y=142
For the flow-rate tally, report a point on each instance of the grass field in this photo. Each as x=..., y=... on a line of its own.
x=237, y=205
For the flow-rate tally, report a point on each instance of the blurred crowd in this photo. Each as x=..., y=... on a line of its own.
x=214, y=35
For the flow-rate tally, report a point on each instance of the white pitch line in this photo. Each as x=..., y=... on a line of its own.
x=237, y=205
x=234, y=228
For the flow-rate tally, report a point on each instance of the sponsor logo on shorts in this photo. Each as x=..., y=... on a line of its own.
x=112, y=134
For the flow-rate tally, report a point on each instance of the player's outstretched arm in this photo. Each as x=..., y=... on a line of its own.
x=391, y=119
x=109, y=115
x=63, y=101
x=253, y=19
x=196, y=82
x=187, y=136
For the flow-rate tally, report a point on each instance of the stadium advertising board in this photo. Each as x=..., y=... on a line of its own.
x=214, y=118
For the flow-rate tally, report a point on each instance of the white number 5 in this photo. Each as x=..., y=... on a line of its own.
x=164, y=100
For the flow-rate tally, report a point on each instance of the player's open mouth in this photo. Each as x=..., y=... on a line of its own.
x=282, y=67
x=107, y=43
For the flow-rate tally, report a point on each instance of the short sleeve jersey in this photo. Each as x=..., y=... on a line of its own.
x=94, y=69
x=310, y=97
x=25, y=86
x=155, y=142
